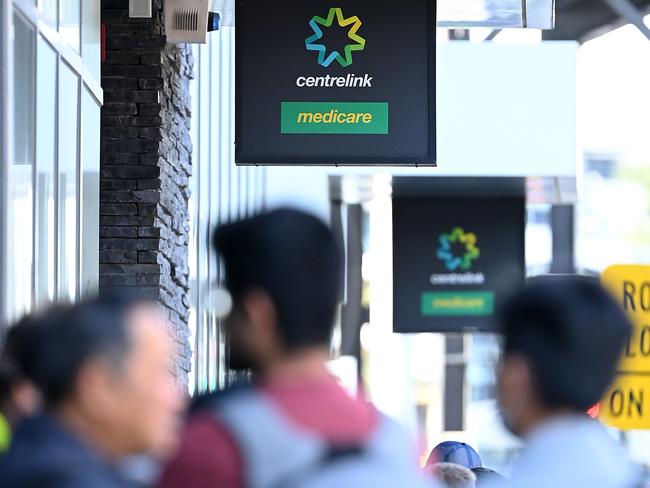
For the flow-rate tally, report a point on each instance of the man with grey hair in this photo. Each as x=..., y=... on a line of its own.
x=453, y=475
x=102, y=367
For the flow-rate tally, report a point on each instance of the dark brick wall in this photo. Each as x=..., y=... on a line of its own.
x=145, y=165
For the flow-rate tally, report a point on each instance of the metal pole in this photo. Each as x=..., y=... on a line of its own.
x=492, y=35
x=454, y=397
x=563, y=232
x=627, y=10
x=351, y=315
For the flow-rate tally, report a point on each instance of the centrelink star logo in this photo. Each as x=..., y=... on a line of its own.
x=324, y=59
x=445, y=253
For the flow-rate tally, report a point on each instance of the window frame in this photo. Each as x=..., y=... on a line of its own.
x=87, y=84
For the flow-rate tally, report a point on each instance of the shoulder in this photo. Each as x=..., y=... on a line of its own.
x=53, y=475
x=205, y=426
x=211, y=401
x=207, y=452
x=41, y=455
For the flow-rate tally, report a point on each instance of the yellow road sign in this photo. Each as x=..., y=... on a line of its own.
x=627, y=404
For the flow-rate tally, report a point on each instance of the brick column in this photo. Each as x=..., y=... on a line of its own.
x=146, y=164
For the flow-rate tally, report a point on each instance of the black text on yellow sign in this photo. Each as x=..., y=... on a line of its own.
x=627, y=404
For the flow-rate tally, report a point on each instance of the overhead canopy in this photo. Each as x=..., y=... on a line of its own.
x=578, y=20
x=497, y=14
x=582, y=20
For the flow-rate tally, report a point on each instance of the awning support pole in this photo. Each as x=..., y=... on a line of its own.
x=627, y=10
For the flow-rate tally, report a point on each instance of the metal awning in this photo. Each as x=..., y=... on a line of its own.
x=496, y=14
x=582, y=20
x=578, y=20
x=461, y=14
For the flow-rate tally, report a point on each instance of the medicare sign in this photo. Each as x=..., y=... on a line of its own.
x=455, y=260
x=348, y=82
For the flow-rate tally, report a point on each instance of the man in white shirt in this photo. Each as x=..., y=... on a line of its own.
x=563, y=338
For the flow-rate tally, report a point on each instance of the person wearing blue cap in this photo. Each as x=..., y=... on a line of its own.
x=456, y=453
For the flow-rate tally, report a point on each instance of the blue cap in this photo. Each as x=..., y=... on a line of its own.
x=456, y=453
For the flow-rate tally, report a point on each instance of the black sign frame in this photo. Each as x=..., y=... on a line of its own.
x=409, y=286
x=243, y=158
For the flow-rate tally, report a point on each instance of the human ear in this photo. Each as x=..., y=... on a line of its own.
x=263, y=335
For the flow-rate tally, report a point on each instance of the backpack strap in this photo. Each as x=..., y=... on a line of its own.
x=279, y=454
x=273, y=448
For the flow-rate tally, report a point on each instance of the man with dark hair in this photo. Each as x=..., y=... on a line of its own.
x=102, y=367
x=295, y=426
x=563, y=339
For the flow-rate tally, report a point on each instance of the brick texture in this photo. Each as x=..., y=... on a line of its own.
x=146, y=165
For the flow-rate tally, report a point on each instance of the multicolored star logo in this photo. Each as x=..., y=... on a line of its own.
x=358, y=45
x=445, y=252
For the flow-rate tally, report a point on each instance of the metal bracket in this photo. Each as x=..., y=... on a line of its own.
x=140, y=9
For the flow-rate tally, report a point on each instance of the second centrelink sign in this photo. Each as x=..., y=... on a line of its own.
x=455, y=260
x=344, y=82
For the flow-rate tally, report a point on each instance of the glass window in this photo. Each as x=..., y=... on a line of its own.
x=45, y=211
x=90, y=114
x=21, y=172
x=91, y=37
x=49, y=10
x=68, y=130
x=70, y=21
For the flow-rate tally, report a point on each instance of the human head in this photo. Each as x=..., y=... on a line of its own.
x=456, y=453
x=563, y=338
x=19, y=397
x=103, y=368
x=453, y=475
x=486, y=475
x=283, y=270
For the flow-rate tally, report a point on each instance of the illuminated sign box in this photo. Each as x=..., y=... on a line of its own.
x=347, y=83
x=455, y=259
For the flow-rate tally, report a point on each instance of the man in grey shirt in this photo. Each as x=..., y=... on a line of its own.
x=563, y=338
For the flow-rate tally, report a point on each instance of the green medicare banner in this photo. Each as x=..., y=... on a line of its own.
x=334, y=118
x=458, y=303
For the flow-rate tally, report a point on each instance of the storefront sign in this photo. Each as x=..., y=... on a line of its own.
x=345, y=83
x=627, y=404
x=454, y=261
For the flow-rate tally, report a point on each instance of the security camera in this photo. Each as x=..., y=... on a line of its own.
x=189, y=21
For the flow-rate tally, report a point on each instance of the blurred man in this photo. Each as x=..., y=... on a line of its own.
x=563, y=338
x=296, y=426
x=103, y=369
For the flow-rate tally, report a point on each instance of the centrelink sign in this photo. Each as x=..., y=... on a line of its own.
x=456, y=259
x=347, y=82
